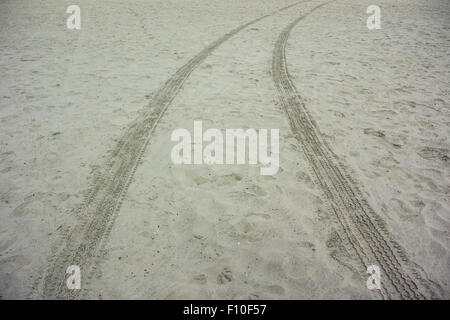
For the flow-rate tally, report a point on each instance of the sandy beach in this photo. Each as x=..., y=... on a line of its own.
x=87, y=178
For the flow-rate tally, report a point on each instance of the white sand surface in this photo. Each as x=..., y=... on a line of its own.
x=379, y=97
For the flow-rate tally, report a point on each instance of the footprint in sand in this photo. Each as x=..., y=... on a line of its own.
x=305, y=178
x=248, y=193
x=253, y=227
x=275, y=290
x=219, y=180
x=39, y=203
x=200, y=279
x=376, y=133
x=228, y=179
x=403, y=211
x=199, y=180
x=225, y=276
x=430, y=153
x=437, y=222
x=5, y=244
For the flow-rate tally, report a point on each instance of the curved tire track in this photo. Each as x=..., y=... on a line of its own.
x=363, y=232
x=82, y=244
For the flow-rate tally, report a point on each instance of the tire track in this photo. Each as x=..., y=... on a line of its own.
x=82, y=244
x=364, y=234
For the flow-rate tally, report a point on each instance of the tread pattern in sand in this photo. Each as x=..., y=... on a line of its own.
x=85, y=240
x=362, y=230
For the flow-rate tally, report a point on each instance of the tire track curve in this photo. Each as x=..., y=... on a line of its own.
x=363, y=232
x=82, y=244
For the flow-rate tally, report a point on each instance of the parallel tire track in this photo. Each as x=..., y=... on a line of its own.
x=365, y=235
x=85, y=240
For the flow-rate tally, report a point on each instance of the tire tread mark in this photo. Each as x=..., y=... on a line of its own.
x=84, y=242
x=364, y=231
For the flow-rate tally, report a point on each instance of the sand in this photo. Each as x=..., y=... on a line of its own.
x=379, y=98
